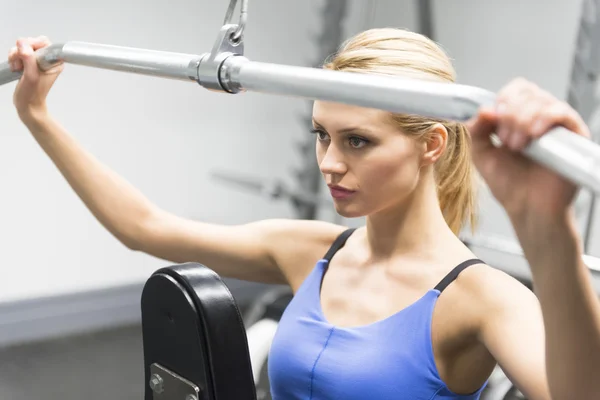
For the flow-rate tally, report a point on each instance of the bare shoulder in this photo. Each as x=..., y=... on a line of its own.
x=491, y=286
x=492, y=293
x=296, y=245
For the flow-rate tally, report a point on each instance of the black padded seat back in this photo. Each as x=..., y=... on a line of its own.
x=192, y=327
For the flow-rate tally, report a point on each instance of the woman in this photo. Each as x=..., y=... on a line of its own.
x=539, y=205
x=379, y=312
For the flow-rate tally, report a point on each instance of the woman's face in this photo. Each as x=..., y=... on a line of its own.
x=368, y=164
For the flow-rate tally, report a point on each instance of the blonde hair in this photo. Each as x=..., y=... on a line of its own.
x=391, y=51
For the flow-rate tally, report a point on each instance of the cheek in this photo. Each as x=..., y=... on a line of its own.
x=397, y=177
x=319, y=151
x=397, y=171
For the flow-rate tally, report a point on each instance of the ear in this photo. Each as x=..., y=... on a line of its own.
x=435, y=145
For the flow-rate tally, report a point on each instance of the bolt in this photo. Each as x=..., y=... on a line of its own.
x=156, y=383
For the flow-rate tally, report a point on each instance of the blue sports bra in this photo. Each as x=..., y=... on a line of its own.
x=388, y=359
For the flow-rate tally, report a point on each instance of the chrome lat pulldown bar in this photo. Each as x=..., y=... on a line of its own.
x=225, y=69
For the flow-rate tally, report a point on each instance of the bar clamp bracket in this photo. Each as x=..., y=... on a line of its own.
x=167, y=385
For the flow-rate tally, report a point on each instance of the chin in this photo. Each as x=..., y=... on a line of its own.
x=349, y=210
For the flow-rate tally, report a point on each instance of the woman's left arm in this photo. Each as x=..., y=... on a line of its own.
x=511, y=327
x=540, y=206
x=569, y=305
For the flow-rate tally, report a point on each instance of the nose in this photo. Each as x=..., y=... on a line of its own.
x=332, y=162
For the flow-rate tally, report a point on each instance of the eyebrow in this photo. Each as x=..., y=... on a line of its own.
x=345, y=130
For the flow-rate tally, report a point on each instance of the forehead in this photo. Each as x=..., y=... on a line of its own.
x=336, y=116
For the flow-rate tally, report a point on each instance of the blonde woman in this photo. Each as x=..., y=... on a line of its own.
x=396, y=309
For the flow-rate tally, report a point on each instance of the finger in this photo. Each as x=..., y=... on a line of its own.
x=480, y=129
x=18, y=65
x=39, y=42
x=517, y=103
x=27, y=56
x=12, y=54
x=13, y=57
x=13, y=60
x=560, y=114
x=535, y=105
x=514, y=90
x=482, y=125
x=504, y=124
x=508, y=104
x=479, y=122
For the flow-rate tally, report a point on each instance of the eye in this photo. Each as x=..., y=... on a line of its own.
x=321, y=136
x=357, y=142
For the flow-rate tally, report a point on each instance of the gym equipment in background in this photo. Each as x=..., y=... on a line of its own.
x=261, y=321
x=304, y=194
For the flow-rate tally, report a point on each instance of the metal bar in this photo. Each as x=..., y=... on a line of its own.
x=396, y=94
x=582, y=94
x=570, y=155
x=503, y=245
x=126, y=59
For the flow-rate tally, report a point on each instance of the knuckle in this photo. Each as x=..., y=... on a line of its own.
x=524, y=119
x=560, y=109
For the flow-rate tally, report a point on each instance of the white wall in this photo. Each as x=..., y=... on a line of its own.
x=164, y=136
x=493, y=42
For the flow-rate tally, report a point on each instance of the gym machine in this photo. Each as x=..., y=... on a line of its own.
x=195, y=345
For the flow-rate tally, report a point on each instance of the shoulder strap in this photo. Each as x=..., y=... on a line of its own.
x=452, y=275
x=339, y=242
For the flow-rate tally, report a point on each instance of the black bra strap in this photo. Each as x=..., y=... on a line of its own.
x=452, y=275
x=339, y=242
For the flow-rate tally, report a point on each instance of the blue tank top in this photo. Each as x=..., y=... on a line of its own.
x=311, y=359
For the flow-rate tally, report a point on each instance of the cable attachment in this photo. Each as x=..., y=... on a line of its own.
x=236, y=36
x=215, y=70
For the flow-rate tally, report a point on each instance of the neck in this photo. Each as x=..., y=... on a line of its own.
x=408, y=228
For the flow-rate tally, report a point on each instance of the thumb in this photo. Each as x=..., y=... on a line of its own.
x=27, y=55
x=485, y=154
x=481, y=127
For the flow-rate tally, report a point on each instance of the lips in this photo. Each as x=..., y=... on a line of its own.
x=338, y=192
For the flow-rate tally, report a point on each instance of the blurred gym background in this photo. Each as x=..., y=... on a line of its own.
x=70, y=292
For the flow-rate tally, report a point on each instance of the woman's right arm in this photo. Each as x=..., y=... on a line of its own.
x=272, y=251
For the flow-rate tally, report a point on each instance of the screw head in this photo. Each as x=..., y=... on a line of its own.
x=156, y=383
